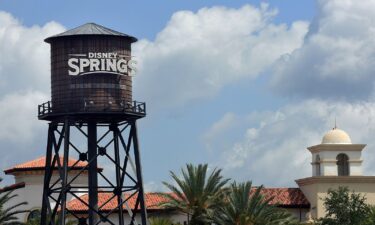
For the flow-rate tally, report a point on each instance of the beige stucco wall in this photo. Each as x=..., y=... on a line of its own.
x=316, y=188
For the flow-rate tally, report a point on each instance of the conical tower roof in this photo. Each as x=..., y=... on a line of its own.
x=90, y=29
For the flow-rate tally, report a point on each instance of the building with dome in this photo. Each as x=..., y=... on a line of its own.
x=336, y=161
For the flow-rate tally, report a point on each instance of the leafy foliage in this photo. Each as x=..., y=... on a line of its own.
x=8, y=215
x=33, y=222
x=196, y=194
x=37, y=221
x=370, y=218
x=160, y=221
x=246, y=208
x=345, y=208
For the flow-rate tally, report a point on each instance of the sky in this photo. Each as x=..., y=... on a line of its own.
x=244, y=86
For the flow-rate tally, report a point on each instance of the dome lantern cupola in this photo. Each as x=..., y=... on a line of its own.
x=336, y=155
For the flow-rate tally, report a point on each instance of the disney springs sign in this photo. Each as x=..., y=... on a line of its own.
x=101, y=62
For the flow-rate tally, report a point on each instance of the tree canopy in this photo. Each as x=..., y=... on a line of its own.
x=345, y=208
x=197, y=194
x=207, y=199
x=244, y=207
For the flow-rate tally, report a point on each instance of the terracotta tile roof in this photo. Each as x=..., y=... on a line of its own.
x=12, y=187
x=39, y=164
x=152, y=201
x=283, y=197
x=286, y=197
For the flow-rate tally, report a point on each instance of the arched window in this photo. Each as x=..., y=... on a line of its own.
x=342, y=165
x=317, y=165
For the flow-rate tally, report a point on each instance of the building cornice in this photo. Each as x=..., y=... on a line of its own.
x=336, y=147
x=335, y=179
x=335, y=161
x=41, y=172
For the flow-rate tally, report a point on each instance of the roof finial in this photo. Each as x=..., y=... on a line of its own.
x=335, y=124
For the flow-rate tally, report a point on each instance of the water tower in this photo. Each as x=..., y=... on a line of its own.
x=92, y=117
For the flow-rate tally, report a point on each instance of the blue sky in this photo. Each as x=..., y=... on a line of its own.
x=245, y=86
x=143, y=19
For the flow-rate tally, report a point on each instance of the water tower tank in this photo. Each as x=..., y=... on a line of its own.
x=91, y=69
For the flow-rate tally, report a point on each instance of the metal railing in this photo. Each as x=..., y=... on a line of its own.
x=44, y=108
x=92, y=107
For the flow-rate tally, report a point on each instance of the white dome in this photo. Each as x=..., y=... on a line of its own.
x=336, y=136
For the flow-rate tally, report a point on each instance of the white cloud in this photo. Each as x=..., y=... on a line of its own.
x=197, y=54
x=24, y=83
x=337, y=59
x=218, y=128
x=24, y=58
x=273, y=151
x=153, y=186
x=24, y=76
x=19, y=122
x=22, y=136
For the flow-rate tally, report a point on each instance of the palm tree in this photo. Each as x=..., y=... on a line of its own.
x=244, y=207
x=195, y=194
x=8, y=215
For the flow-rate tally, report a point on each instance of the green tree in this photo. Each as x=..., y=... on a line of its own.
x=345, y=208
x=196, y=194
x=246, y=208
x=370, y=218
x=8, y=214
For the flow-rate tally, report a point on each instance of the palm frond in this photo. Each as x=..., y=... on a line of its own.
x=245, y=206
x=197, y=193
x=7, y=215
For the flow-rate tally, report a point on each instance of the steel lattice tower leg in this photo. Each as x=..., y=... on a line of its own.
x=118, y=145
x=93, y=176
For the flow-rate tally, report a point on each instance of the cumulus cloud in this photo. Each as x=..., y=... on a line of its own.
x=22, y=136
x=24, y=83
x=19, y=116
x=337, y=59
x=197, y=54
x=24, y=58
x=272, y=150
